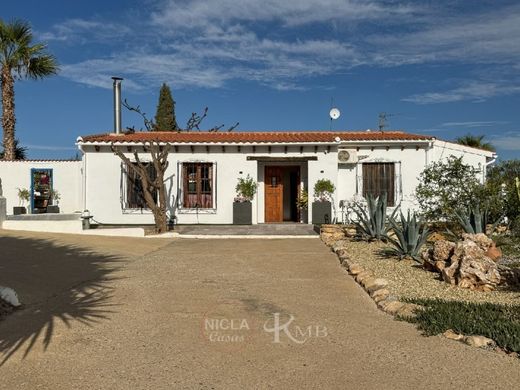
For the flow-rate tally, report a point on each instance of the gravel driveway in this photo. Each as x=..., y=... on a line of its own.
x=201, y=314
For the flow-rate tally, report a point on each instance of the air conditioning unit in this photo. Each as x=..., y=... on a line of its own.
x=347, y=156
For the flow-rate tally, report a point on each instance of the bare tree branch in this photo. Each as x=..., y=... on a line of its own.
x=148, y=123
x=195, y=120
x=149, y=184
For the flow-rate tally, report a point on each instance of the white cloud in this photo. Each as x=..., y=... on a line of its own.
x=474, y=91
x=488, y=37
x=508, y=141
x=175, y=14
x=474, y=124
x=196, y=43
x=83, y=31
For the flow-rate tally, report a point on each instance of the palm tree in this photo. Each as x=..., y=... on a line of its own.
x=475, y=141
x=20, y=152
x=19, y=58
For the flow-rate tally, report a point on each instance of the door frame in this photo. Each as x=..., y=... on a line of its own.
x=268, y=199
x=284, y=168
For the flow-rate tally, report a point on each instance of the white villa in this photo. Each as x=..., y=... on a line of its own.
x=204, y=168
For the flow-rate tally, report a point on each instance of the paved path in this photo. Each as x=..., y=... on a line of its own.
x=268, y=229
x=137, y=314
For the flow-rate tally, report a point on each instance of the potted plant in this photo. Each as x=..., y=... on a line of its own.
x=55, y=207
x=302, y=204
x=23, y=196
x=322, y=206
x=242, y=208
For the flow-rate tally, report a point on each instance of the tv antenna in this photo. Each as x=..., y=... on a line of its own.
x=383, y=120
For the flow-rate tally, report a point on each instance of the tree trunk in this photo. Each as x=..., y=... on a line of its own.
x=8, y=118
x=158, y=210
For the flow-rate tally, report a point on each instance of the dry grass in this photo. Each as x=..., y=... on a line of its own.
x=408, y=280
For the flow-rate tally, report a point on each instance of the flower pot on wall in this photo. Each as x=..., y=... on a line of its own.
x=242, y=213
x=321, y=212
x=19, y=210
x=53, y=209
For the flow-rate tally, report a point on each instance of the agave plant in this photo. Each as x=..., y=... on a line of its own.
x=373, y=221
x=473, y=220
x=411, y=235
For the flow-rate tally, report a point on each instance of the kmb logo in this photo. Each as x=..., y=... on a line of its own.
x=295, y=333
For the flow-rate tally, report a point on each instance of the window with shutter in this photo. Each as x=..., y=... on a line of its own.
x=378, y=179
x=134, y=188
x=197, y=185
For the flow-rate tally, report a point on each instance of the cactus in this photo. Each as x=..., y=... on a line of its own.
x=373, y=222
x=411, y=236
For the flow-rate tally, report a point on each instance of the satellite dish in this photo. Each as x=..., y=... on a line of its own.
x=334, y=113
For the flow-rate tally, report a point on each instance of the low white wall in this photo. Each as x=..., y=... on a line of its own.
x=74, y=227
x=66, y=180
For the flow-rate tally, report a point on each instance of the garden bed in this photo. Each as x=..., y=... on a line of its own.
x=408, y=280
x=482, y=319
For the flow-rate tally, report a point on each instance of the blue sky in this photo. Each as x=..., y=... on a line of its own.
x=444, y=68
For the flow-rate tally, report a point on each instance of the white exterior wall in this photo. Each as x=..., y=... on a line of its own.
x=410, y=160
x=475, y=157
x=103, y=175
x=103, y=185
x=103, y=180
x=66, y=180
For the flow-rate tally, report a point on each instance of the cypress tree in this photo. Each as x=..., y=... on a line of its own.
x=165, y=115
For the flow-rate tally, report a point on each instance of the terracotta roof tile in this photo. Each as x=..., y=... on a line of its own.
x=254, y=137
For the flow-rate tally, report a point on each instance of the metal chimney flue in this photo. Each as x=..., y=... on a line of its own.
x=117, y=104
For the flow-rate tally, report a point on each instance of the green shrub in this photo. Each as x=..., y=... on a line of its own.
x=411, y=236
x=498, y=322
x=373, y=222
x=323, y=190
x=246, y=189
x=446, y=186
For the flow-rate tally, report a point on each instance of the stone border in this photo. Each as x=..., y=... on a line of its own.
x=376, y=289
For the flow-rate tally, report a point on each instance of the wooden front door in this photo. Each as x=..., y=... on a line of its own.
x=273, y=194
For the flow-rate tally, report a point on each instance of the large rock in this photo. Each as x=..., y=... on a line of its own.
x=438, y=257
x=471, y=268
x=465, y=263
x=483, y=241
